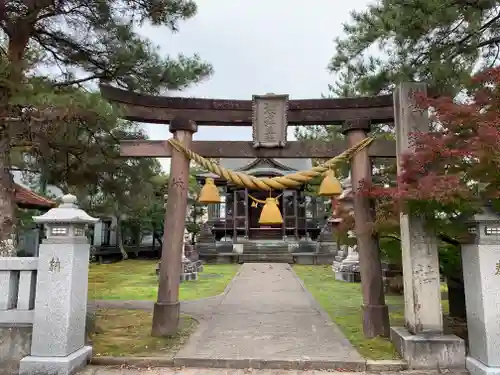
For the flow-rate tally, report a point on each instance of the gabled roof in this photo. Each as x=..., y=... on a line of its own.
x=291, y=165
x=24, y=197
x=262, y=166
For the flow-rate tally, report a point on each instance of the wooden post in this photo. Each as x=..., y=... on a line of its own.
x=167, y=307
x=235, y=212
x=375, y=311
x=296, y=212
x=247, y=209
x=284, y=213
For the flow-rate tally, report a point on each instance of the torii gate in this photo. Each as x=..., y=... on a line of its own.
x=269, y=115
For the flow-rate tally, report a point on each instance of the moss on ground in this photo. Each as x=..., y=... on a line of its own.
x=123, y=333
x=136, y=280
x=342, y=301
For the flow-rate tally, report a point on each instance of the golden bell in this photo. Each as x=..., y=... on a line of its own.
x=270, y=213
x=209, y=192
x=330, y=186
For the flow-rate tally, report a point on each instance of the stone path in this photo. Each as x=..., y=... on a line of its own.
x=97, y=370
x=267, y=314
x=193, y=371
x=265, y=319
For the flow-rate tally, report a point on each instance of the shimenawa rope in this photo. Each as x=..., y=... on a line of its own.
x=262, y=201
x=275, y=183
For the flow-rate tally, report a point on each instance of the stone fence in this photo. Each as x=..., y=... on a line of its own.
x=43, y=300
x=17, y=290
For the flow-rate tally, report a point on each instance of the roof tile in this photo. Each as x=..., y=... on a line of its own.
x=24, y=196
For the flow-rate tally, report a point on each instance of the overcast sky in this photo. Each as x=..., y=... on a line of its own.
x=257, y=47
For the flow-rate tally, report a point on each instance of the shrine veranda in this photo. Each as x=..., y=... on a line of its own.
x=269, y=115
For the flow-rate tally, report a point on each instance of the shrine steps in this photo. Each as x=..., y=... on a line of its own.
x=266, y=251
x=266, y=258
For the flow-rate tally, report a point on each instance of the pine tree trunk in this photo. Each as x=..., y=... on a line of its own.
x=15, y=65
x=119, y=239
x=7, y=204
x=456, y=296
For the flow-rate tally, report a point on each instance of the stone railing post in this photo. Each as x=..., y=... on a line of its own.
x=481, y=268
x=421, y=342
x=58, y=343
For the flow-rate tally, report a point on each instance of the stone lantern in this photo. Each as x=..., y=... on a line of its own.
x=481, y=268
x=58, y=340
x=66, y=221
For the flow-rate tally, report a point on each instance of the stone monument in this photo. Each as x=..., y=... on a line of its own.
x=348, y=268
x=481, y=268
x=421, y=341
x=190, y=268
x=205, y=243
x=58, y=343
x=326, y=240
x=337, y=262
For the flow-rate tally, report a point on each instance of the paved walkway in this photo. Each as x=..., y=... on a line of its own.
x=267, y=314
x=98, y=370
x=101, y=370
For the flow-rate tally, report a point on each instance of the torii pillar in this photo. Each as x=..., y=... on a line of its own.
x=375, y=311
x=167, y=307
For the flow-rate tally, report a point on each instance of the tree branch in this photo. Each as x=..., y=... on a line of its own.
x=448, y=239
x=487, y=42
x=392, y=236
x=77, y=81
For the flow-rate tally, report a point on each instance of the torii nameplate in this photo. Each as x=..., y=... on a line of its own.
x=269, y=121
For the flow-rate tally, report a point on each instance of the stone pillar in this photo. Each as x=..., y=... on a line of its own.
x=205, y=244
x=481, y=268
x=167, y=308
x=421, y=342
x=326, y=240
x=58, y=340
x=375, y=311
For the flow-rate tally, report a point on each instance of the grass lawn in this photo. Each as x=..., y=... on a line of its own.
x=342, y=301
x=124, y=333
x=136, y=280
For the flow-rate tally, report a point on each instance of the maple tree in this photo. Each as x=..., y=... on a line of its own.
x=452, y=171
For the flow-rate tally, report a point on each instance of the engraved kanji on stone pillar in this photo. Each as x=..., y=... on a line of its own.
x=269, y=120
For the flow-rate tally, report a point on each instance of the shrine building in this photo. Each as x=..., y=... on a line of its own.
x=233, y=232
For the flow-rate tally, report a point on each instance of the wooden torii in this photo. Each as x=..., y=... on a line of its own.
x=269, y=115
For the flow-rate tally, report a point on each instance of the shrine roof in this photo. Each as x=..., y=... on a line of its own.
x=246, y=164
x=261, y=166
x=24, y=197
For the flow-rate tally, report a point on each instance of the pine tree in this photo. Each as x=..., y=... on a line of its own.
x=86, y=40
x=439, y=42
